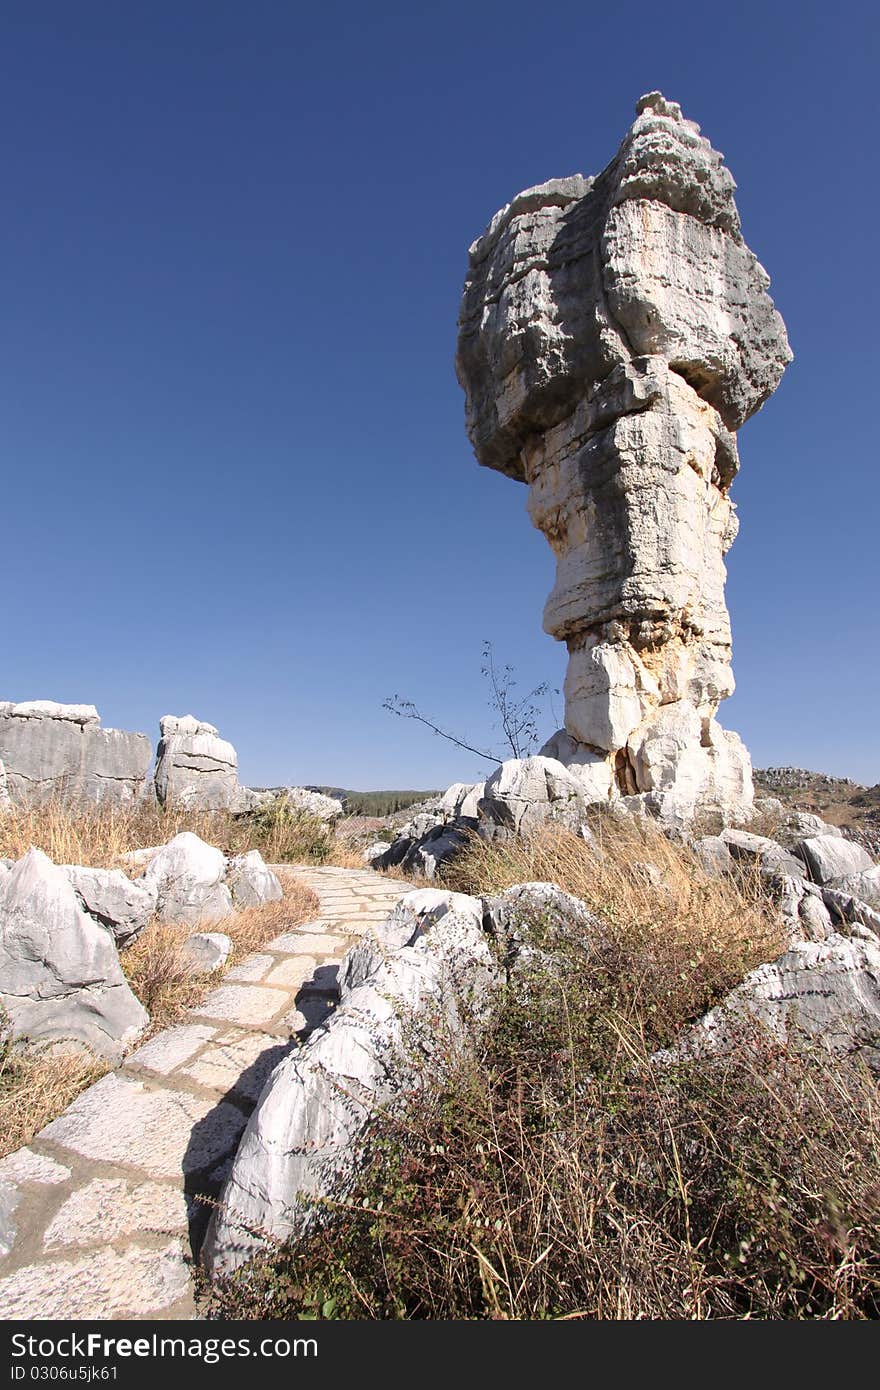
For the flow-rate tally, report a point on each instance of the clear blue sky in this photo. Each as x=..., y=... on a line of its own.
x=236, y=480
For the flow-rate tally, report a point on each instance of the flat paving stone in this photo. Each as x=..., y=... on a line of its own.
x=296, y=943
x=252, y=968
x=108, y=1208
x=110, y=1283
x=292, y=973
x=165, y=1127
x=171, y=1048
x=243, y=1064
x=247, y=1004
x=26, y=1166
x=164, y=1132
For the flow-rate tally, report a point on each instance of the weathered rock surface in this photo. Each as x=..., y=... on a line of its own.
x=767, y=854
x=614, y=333
x=524, y=793
x=828, y=857
x=542, y=929
x=188, y=877
x=195, y=766
x=851, y=912
x=801, y=825
x=802, y=911
x=116, y=902
x=60, y=751
x=207, y=951
x=826, y=992
x=250, y=882
x=714, y=855
x=313, y=803
x=864, y=885
x=421, y=986
x=60, y=977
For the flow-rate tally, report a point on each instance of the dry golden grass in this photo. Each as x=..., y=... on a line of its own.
x=682, y=942
x=160, y=975
x=560, y=1172
x=742, y=1188
x=97, y=836
x=37, y=1086
x=100, y=836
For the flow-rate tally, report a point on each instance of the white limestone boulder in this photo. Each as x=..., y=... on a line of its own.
x=714, y=855
x=768, y=855
x=251, y=882
x=118, y=903
x=207, y=951
x=188, y=877
x=829, y=856
x=818, y=992
x=864, y=885
x=311, y=803
x=614, y=332
x=802, y=911
x=54, y=751
x=195, y=767
x=60, y=977
x=591, y=768
x=525, y=793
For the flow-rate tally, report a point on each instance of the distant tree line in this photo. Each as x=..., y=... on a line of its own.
x=383, y=803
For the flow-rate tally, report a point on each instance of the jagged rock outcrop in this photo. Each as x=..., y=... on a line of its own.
x=830, y=856
x=122, y=906
x=52, y=751
x=207, y=951
x=825, y=992
x=194, y=882
x=188, y=876
x=615, y=332
x=195, y=767
x=60, y=977
x=524, y=793
x=250, y=882
x=418, y=990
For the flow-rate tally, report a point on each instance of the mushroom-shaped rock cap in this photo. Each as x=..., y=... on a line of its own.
x=578, y=276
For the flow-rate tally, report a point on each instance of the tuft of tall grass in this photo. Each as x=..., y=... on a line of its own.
x=37, y=1086
x=747, y=1188
x=673, y=939
x=563, y=1172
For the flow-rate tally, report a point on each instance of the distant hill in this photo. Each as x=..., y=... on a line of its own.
x=856, y=809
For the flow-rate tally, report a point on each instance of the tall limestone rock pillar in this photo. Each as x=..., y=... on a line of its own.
x=615, y=332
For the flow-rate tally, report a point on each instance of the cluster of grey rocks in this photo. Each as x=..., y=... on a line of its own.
x=62, y=927
x=50, y=751
x=420, y=989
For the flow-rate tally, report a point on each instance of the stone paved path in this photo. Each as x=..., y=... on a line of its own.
x=99, y=1211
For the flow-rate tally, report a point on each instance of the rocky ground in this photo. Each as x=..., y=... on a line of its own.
x=849, y=805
